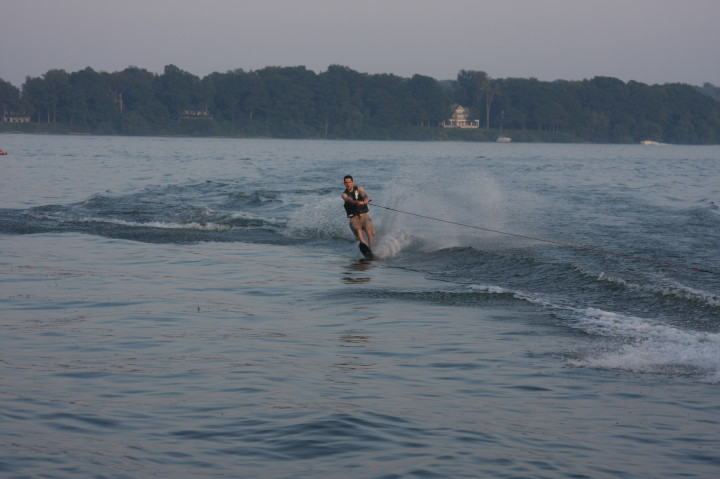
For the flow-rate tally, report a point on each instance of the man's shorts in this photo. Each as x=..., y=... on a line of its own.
x=362, y=222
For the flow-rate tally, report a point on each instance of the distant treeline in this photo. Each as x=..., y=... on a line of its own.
x=340, y=103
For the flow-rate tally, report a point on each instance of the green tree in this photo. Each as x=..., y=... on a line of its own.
x=134, y=93
x=179, y=90
x=46, y=93
x=478, y=91
x=430, y=102
x=227, y=100
x=9, y=98
x=338, y=97
x=89, y=103
x=291, y=109
x=471, y=86
x=388, y=105
x=491, y=90
x=514, y=102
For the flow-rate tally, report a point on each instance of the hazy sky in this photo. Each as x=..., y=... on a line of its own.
x=651, y=41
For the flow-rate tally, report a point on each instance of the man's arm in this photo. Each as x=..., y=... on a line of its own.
x=365, y=198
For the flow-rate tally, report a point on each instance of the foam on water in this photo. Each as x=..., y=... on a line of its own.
x=432, y=211
x=162, y=224
x=635, y=344
x=322, y=219
x=666, y=288
x=650, y=346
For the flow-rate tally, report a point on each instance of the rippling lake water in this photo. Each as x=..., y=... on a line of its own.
x=177, y=307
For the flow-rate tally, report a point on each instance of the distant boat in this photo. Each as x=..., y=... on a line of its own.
x=650, y=143
x=504, y=139
x=3, y=152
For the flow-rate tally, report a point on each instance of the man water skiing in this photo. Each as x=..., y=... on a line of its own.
x=356, y=201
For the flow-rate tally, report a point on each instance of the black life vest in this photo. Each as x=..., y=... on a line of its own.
x=352, y=209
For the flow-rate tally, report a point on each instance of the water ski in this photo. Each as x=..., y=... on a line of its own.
x=365, y=250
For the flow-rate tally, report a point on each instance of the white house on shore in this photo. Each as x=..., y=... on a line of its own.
x=460, y=119
x=15, y=119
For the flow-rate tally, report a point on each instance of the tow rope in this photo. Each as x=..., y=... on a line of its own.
x=558, y=243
